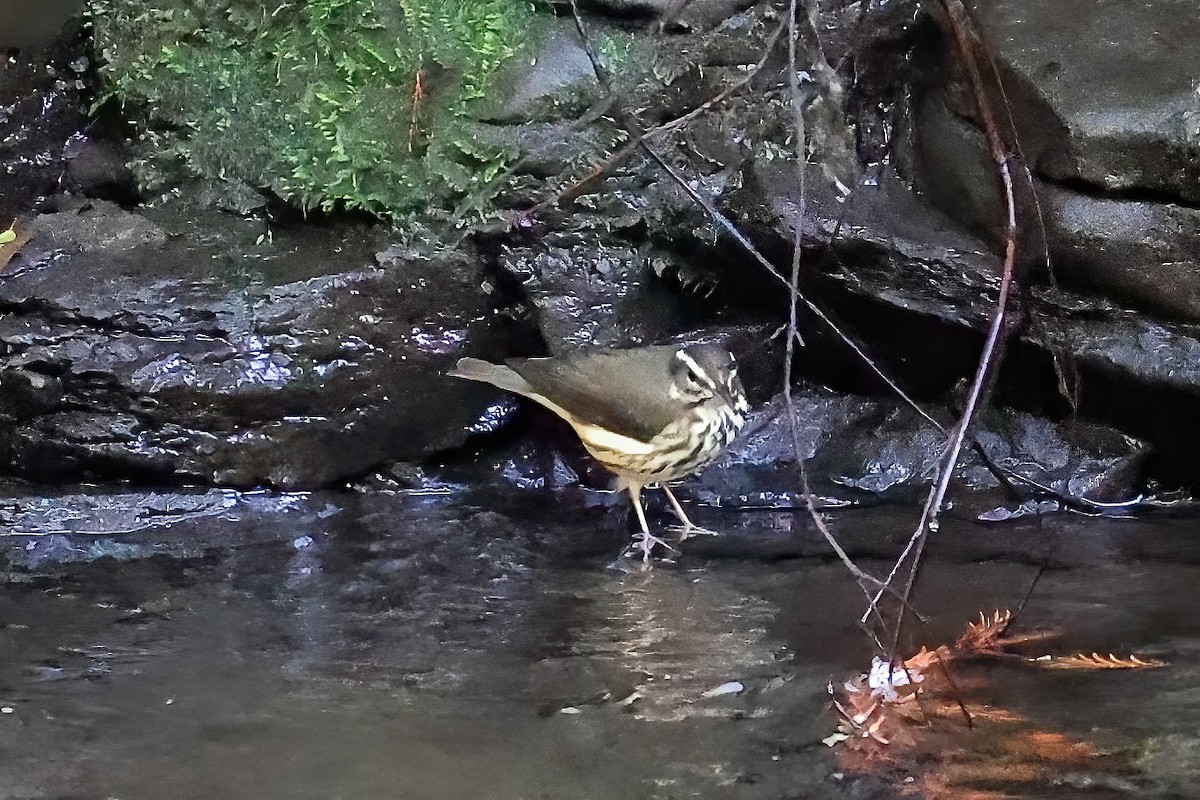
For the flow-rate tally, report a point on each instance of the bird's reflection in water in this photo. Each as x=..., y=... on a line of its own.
x=678, y=634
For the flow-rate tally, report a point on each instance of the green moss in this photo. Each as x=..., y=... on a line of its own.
x=614, y=48
x=358, y=104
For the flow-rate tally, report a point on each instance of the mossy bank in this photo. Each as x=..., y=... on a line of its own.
x=331, y=104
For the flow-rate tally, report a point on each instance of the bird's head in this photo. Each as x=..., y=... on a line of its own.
x=705, y=372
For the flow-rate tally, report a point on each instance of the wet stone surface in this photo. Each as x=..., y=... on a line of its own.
x=370, y=645
x=856, y=450
x=40, y=106
x=189, y=346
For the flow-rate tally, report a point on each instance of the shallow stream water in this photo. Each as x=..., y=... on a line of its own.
x=367, y=646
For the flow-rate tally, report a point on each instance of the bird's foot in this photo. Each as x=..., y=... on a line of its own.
x=688, y=531
x=644, y=543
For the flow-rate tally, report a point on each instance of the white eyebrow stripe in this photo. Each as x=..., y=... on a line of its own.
x=695, y=368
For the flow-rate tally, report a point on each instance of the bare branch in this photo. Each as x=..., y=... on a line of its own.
x=967, y=43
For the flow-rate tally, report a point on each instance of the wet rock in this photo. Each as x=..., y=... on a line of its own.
x=92, y=228
x=686, y=13
x=97, y=168
x=1113, y=146
x=597, y=295
x=855, y=448
x=111, y=513
x=1134, y=246
x=552, y=81
x=901, y=275
x=1140, y=254
x=917, y=290
x=951, y=165
x=41, y=107
x=614, y=264
x=1121, y=83
x=29, y=25
x=1123, y=365
x=194, y=349
x=1103, y=98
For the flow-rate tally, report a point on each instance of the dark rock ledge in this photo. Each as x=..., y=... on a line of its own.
x=169, y=344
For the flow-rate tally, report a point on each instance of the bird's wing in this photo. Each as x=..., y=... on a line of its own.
x=622, y=390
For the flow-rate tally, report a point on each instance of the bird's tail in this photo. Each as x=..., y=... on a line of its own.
x=498, y=375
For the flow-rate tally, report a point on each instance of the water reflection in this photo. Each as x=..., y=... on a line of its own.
x=383, y=645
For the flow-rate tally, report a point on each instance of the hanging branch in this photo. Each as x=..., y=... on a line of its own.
x=968, y=44
x=799, y=135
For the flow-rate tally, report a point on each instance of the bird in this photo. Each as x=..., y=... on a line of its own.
x=649, y=414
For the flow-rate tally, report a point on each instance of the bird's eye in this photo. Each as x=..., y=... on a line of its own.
x=696, y=383
x=692, y=379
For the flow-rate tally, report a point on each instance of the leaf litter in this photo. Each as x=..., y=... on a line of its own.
x=906, y=717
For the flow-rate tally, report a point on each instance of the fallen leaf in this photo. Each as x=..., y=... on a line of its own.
x=1097, y=661
x=11, y=242
x=983, y=635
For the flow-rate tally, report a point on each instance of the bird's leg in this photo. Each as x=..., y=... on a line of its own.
x=645, y=543
x=689, y=528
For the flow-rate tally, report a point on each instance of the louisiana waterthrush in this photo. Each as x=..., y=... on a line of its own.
x=648, y=414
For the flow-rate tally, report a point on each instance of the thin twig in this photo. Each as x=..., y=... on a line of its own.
x=863, y=578
x=581, y=186
x=993, y=344
x=800, y=135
